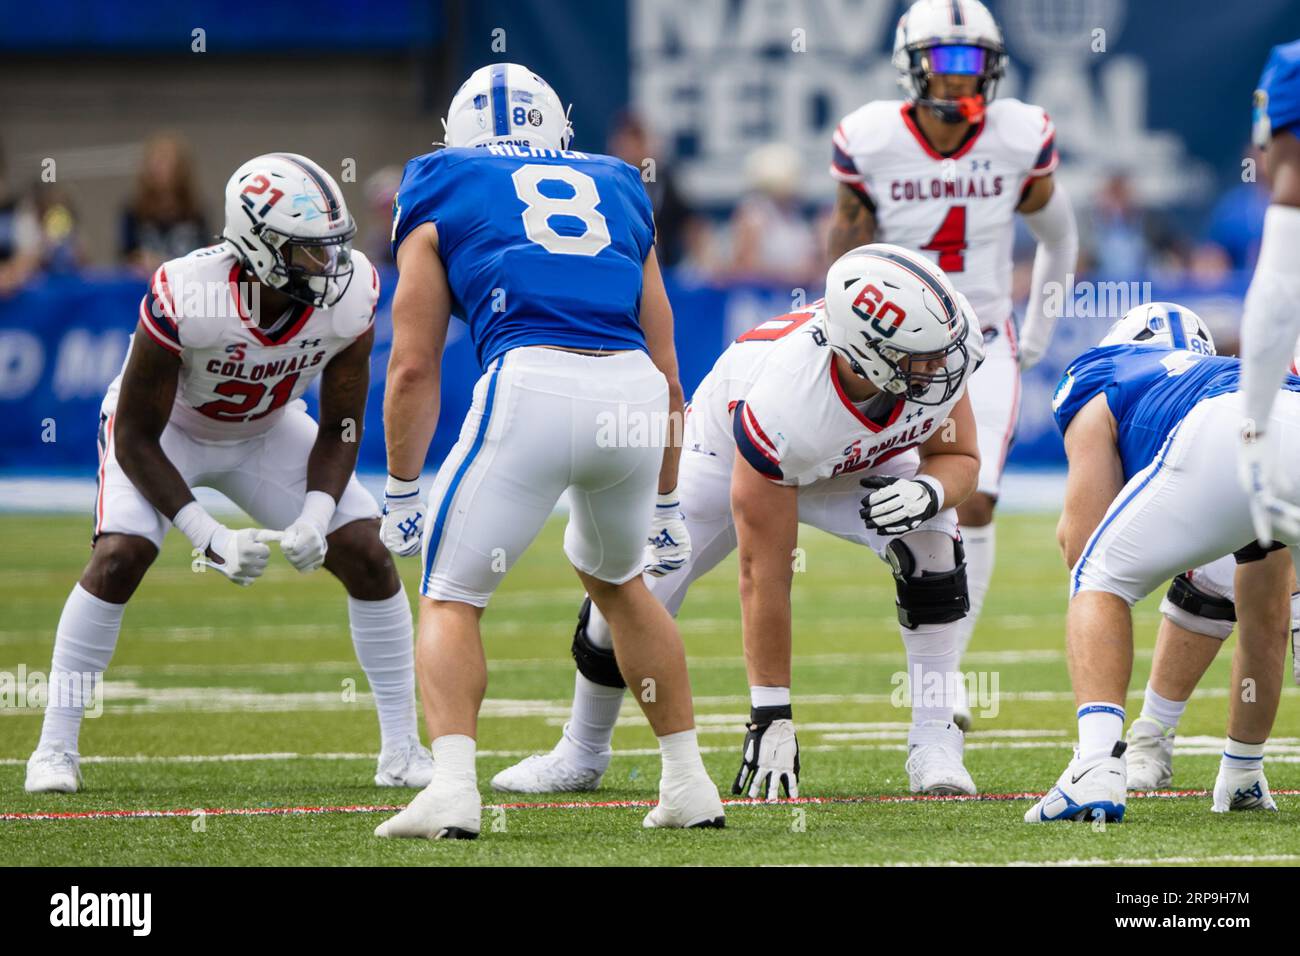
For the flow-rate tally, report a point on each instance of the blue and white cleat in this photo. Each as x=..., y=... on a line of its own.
x=1086, y=791
x=1241, y=790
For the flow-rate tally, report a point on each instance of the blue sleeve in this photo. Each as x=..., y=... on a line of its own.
x=753, y=444
x=1082, y=380
x=1277, y=99
x=417, y=197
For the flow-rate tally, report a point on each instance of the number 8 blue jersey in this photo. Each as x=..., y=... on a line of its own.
x=541, y=246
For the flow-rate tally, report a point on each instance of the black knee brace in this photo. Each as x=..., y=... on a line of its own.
x=932, y=597
x=594, y=663
x=1185, y=595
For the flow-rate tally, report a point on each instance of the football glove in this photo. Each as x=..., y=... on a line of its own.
x=669, y=545
x=898, y=505
x=303, y=542
x=769, y=761
x=242, y=555
x=1256, y=464
x=403, y=524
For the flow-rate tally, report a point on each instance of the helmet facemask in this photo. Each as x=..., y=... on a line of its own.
x=312, y=270
x=903, y=373
x=983, y=61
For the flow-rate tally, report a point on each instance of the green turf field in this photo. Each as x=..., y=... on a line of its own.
x=221, y=697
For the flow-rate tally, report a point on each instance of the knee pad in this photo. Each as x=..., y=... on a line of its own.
x=930, y=597
x=594, y=663
x=1198, y=611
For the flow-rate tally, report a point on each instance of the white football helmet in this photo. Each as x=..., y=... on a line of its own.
x=949, y=37
x=890, y=311
x=1165, y=324
x=507, y=103
x=288, y=222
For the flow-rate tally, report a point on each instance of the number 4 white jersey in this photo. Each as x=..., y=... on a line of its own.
x=957, y=208
x=235, y=378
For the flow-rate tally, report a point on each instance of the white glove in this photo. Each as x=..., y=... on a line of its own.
x=770, y=758
x=1256, y=458
x=304, y=543
x=403, y=524
x=1030, y=355
x=243, y=553
x=669, y=545
x=1241, y=790
x=897, y=505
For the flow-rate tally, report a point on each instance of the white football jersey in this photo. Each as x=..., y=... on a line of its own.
x=958, y=208
x=236, y=378
x=774, y=396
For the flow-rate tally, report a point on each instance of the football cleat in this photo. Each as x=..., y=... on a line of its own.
x=1150, y=755
x=961, y=715
x=53, y=769
x=686, y=801
x=934, y=760
x=568, y=768
x=1241, y=790
x=408, y=765
x=1086, y=790
x=449, y=808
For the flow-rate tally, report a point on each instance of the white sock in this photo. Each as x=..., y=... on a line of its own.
x=1239, y=756
x=455, y=754
x=932, y=657
x=383, y=638
x=681, y=753
x=769, y=696
x=980, y=545
x=598, y=631
x=83, y=646
x=1101, y=725
x=595, y=712
x=1163, y=711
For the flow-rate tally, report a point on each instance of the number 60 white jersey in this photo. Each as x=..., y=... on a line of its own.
x=960, y=208
x=235, y=378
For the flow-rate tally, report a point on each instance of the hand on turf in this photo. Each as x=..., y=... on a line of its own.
x=403, y=524
x=669, y=545
x=770, y=757
x=897, y=505
x=240, y=555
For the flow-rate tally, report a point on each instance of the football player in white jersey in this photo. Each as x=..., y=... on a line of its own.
x=228, y=339
x=943, y=173
x=871, y=382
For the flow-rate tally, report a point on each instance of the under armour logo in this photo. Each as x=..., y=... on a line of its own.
x=409, y=528
x=308, y=343
x=916, y=414
x=976, y=167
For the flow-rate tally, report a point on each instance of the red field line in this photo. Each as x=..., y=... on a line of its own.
x=561, y=805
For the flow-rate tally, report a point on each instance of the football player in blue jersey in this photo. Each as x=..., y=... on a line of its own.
x=1143, y=419
x=547, y=253
x=1270, y=324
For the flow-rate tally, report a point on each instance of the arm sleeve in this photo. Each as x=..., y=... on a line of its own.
x=1271, y=323
x=1057, y=233
x=753, y=443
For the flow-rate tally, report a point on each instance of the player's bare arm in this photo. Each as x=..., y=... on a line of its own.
x=951, y=455
x=143, y=409
x=1095, y=476
x=853, y=224
x=345, y=384
x=1282, y=160
x=767, y=532
x=657, y=322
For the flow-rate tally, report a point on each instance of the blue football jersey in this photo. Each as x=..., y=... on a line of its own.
x=1149, y=389
x=1277, y=98
x=541, y=246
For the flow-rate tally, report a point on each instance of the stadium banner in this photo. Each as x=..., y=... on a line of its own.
x=63, y=340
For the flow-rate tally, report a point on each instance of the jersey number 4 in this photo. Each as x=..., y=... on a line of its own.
x=540, y=209
x=250, y=396
x=950, y=240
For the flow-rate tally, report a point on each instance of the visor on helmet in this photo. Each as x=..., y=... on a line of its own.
x=959, y=60
x=317, y=271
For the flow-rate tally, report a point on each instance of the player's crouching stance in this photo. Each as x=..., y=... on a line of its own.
x=781, y=431
x=228, y=339
x=572, y=325
x=1148, y=418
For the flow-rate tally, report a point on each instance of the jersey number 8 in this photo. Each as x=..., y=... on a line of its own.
x=539, y=209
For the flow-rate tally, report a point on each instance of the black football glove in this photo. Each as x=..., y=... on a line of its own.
x=770, y=759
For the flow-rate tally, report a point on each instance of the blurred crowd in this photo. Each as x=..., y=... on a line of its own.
x=770, y=236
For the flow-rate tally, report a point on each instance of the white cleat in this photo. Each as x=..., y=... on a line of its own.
x=409, y=765
x=961, y=715
x=53, y=769
x=1150, y=755
x=1241, y=790
x=1086, y=791
x=934, y=760
x=568, y=768
x=687, y=801
x=448, y=808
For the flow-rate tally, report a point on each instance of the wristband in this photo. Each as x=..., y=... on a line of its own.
x=318, y=509
x=936, y=485
x=401, y=488
x=196, y=524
